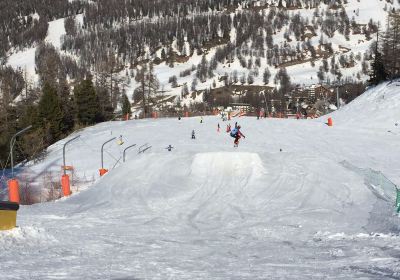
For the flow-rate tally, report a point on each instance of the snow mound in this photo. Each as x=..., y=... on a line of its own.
x=25, y=236
x=359, y=236
x=158, y=182
x=236, y=165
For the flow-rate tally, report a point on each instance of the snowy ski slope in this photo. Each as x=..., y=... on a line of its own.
x=207, y=210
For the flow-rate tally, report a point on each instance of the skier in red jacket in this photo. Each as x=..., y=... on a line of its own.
x=237, y=134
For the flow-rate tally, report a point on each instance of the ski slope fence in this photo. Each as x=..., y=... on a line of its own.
x=379, y=184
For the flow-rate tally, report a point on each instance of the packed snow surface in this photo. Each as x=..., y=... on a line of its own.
x=283, y=205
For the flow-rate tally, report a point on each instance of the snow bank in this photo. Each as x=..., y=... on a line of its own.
x=29, y=236
x=377, y=108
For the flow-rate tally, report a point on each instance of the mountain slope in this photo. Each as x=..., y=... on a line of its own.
x=300, y=36
x=281, y=205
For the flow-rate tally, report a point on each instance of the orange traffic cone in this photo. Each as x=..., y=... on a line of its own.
x=330, y=122
x=102, y=171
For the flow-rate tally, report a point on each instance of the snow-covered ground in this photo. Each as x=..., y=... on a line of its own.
x=292, y=202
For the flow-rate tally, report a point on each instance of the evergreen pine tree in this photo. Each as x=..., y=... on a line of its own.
x=266, y=76
x=126, y=106
x=67, y=107
x=87, y=103
x=378, y=73
x=50, y=114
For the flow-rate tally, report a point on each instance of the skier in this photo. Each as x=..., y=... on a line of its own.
x=169, y=148
x=193, y=135
x=228, y=128
x=120, y=141
x=237, y=134
x=218, y=127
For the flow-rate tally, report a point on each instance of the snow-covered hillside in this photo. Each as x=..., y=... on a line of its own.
x=25, y=60
x=377, y=108
x=289, y=203
x=304, y=73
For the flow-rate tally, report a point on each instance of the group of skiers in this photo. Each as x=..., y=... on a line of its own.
x=235, y=132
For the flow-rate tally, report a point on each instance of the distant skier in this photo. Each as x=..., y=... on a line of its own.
x=120, y=140
x=193, y=134
x=169, y=148
x=201, y=119
x=218, y=127
x=228, y=128
x=237, y=134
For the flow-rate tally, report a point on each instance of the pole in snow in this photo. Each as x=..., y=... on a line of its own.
x=127, y=149
x=102, y=170
x=12, y=143
x=13, y=185
x=66, y=143
x=65, y=184
x=337, y=97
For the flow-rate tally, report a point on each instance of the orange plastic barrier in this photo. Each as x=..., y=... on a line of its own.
x=330, y=122
x=65, y=185
x=13, y=190
x=103, y=171
x=234, y=114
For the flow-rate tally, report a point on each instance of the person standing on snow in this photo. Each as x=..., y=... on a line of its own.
x=237, y=134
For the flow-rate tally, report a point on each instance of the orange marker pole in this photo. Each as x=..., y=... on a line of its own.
x=65, y=185
x=13, y=190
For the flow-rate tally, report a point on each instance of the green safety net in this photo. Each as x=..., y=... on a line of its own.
x=398, y=200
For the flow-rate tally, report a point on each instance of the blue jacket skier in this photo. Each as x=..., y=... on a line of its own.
x=237, y=134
